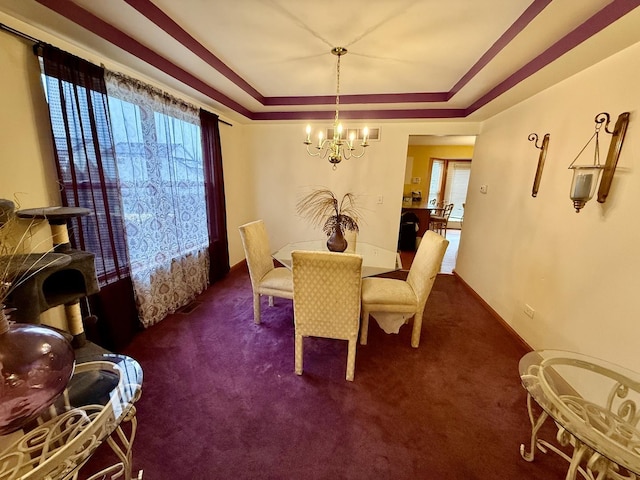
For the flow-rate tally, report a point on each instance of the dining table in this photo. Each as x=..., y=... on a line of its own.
x=375, y=260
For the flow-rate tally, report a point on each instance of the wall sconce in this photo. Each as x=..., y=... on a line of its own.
x=586, y=177
x=533, y=137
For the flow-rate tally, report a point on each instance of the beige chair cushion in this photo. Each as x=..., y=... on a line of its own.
x=388, y=295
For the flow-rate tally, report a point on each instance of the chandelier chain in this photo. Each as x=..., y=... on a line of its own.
x=337, y=89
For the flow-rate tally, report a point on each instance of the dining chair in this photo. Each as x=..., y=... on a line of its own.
x=326, y=300
x=388, y=295
x=266, y=279
x=439, y=219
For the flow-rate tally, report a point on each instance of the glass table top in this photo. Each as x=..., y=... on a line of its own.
x=594, y=400
x=375, y=260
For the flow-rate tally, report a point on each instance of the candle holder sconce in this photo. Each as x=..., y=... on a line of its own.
x=533, y=137
x=586, y=177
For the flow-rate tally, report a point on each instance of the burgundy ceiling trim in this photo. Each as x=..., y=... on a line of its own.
x=609, y=14
x=529, y=14
x=94, y=24
x=360, y=99
x=364, y=114
x=162, y=20
x=600, y=20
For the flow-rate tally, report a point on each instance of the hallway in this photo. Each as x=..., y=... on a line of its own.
x=449, y=261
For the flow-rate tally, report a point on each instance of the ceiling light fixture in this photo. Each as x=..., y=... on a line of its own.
x=341, y=143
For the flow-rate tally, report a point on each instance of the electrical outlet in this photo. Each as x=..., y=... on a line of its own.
x=380, y=199
x=529, y=311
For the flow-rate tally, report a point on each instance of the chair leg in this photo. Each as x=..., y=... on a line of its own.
x=298, y=354
x=256, y=308
x=351, y=358
x=417, y=327
x=364, y=327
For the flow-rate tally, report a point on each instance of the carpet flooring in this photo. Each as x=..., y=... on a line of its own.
x=220, y=399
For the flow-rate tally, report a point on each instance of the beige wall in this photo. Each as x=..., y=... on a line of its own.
x=26, y=155
x=578, y=271
x=281, y=172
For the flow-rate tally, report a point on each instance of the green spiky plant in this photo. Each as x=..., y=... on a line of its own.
x=322, y=208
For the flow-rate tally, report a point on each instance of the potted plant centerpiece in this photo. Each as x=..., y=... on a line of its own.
x=322, y=208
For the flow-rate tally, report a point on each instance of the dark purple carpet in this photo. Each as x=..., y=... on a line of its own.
x=220, y=398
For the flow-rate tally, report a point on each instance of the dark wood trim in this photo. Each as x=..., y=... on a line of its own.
x=494, y=314
x=241, y=265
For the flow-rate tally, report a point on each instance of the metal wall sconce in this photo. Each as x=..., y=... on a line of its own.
x=586, y=177
x=533, y=137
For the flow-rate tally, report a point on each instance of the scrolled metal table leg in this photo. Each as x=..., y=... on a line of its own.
x=535, y=426
x=122, y=445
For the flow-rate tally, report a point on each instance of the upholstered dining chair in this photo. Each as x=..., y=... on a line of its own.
x=266, y=279
x=407, y=298
x=326, y=300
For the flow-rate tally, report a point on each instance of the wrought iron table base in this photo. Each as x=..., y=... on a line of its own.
x=596, y=466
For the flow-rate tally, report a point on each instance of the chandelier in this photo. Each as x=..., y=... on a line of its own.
x=338, y=146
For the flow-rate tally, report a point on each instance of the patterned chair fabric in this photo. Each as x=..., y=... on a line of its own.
x=405, y=297
x=326, y=300
x=266, y=279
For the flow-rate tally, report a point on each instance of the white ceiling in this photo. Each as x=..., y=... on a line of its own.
x=271, y=60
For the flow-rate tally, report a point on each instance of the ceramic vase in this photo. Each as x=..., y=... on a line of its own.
x=336, y=241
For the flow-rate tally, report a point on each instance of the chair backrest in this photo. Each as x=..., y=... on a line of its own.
x=426, y=265
x=351, y=236
x=255, y=241
x=447, y=210
x=326, y=293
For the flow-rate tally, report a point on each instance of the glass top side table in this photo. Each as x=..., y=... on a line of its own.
x=593, y=403
x=98, y=400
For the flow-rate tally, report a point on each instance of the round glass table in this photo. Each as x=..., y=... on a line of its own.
x=97, y=406
x=594, y=405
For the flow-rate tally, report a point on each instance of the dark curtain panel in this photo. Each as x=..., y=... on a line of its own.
x=214, y=190
x=87, y=171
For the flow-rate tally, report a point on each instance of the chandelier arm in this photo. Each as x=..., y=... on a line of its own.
x=353, y=155
x=315, y=154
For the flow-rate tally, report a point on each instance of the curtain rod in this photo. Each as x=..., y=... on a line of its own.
x=20, y=34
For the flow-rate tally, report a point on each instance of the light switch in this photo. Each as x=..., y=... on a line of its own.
x=483, y=189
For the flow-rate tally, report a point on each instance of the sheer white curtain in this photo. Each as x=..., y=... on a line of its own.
x=161, y=175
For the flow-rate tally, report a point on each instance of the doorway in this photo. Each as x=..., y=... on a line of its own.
x=437, y=170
